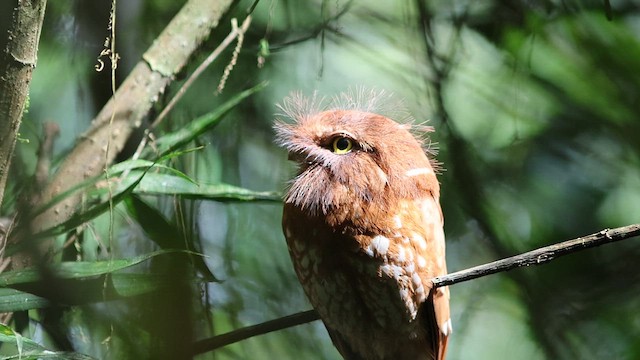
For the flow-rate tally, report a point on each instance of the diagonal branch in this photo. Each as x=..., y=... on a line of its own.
x=535, y=257
x=539, y=256
x=205, y=345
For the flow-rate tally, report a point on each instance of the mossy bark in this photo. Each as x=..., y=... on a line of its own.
x=17, y=62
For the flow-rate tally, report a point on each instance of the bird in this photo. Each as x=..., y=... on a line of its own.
x=364, y=227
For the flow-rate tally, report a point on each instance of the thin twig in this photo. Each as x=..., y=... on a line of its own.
x=187, y=84
x=539, y=256
x=215, y=342
x=317, y=31
x=198, y=71
x=50, y=132
x=535, y=257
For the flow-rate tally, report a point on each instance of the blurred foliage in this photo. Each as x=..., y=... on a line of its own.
x=535, y=106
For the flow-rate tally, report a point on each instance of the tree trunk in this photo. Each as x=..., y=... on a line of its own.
x=16, y=67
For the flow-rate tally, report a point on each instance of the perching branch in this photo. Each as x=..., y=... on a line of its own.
x=535, y=257
x=540, y=256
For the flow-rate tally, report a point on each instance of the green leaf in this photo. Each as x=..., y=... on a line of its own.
x=154, y=224
x=86, y=290
x=129, y=165
x=195, y=128
x=163, y=233
x=165, y=184
x=77, y=283
x=74, y=269
x=15, y=300
x=112, y=173
x=15, y=346
x=80, y=218
x=47, y=354
x=126, y=285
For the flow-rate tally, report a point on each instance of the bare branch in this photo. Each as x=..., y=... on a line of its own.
x=215, y=342
x=539, y=256
x=535, y=257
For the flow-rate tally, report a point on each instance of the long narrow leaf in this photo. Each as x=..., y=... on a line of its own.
x=15, y=300
x=166, y=184
x=48, y=355
x=75, y=269
x=163, y=233
x=86, y=291
x=195, y=128
x=113, y=172
x=86, y=184
x=16, y=346
x=79, y=218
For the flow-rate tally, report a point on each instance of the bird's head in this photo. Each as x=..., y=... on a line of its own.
x=347, y=155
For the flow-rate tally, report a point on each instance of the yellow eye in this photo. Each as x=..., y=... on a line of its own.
x=342, y=145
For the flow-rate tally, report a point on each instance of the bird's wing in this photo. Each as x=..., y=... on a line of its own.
x=439, y=317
